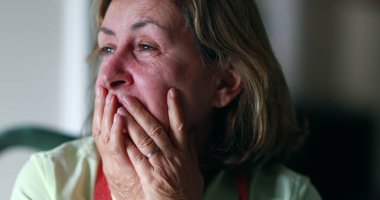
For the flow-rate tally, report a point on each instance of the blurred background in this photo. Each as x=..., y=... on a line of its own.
x=329, y=50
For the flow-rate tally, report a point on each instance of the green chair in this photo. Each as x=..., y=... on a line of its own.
x=35, y=137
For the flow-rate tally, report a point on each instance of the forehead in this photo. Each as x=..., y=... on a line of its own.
x=162, y=12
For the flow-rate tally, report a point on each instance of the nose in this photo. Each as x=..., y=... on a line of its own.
x=113, y=75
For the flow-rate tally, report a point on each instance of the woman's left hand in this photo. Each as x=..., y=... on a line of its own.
x=166, y=163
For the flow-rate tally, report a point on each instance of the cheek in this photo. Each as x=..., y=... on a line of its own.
x=152, y=86
x=153, y=80
x=161, y=75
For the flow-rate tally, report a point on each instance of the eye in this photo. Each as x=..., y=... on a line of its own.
x=106, y=50
x=146, y=47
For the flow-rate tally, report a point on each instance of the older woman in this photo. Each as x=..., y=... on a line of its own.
x=190, y=104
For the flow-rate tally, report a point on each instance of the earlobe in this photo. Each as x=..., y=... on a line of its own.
x=228, y=86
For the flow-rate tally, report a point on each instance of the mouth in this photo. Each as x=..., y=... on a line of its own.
x=119, y=105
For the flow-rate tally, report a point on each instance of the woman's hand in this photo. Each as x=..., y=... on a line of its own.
x=108, y=132
x=149, y=163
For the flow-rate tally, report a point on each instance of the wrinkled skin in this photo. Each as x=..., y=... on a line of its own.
x=153, y=104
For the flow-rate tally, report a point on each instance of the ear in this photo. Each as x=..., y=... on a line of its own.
x=228, y=86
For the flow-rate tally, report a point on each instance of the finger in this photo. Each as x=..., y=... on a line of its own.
x=114, y=153
x=108, y=116
x=149, y=124
x=98, y=110
x=139, y=161
x=141, y=140
x=176, y=120
x=116, y=144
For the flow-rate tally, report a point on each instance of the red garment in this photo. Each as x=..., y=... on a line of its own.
x=102, y=191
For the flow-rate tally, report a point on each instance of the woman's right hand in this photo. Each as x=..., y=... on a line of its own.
x=117, y=167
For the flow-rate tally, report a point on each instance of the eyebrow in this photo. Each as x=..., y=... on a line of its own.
x=106, y=31
x=134, y=27
x=143, y=23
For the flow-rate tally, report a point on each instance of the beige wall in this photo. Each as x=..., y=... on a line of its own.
x=43, y=78
x=29, y=62
x=29, y=73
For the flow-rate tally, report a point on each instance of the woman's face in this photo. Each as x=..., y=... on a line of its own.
x=146, y=50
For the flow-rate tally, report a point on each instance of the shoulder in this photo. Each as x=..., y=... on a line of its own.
x=280, y=182
x=279, y=173
x=67, y=157
x=83, y=148
x=55, y=173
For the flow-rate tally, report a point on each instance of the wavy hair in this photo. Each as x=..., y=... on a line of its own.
x=260, y=124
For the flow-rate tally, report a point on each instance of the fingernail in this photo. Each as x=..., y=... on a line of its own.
x=171, y=93
x=122, y=112
x=98, y=91
x=108, y=99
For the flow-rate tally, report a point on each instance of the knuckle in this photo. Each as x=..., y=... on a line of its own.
x=139, y=158
x=156, y=130
x=115, y=150
x=96, y=132
x=106, y=139
x=146, y=143
x=180, y=127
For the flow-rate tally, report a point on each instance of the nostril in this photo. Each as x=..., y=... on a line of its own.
x=117, y=83
x=118, y=80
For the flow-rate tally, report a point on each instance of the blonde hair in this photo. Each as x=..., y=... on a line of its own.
x=260, y=124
